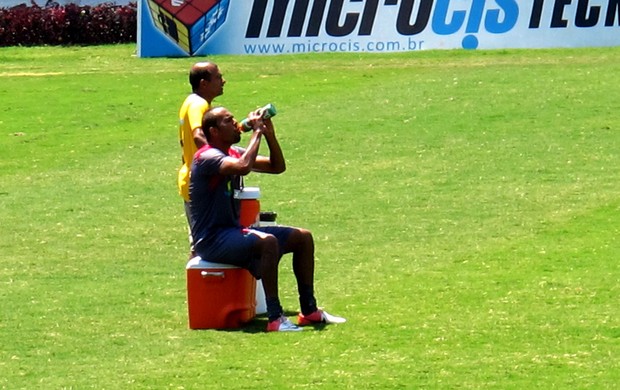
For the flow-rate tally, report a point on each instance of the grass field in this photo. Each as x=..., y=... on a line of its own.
x=465, y=206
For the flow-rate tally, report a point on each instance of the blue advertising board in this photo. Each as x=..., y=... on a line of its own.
x=267, y=27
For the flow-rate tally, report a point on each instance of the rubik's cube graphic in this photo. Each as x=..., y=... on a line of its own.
x=190, y=23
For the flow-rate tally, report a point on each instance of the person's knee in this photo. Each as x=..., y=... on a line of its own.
x=301, y=239
x=306, y=236
x=270, y=242
x=268, y=247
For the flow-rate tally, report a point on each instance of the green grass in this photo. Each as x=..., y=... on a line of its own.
x=465, y=206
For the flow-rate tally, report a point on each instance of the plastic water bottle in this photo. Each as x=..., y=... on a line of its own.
x=268, y=111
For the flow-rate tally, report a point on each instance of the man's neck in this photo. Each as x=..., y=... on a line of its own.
x=209, y=99
x=221, y=146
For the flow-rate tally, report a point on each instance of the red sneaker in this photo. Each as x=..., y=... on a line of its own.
x=319, y=317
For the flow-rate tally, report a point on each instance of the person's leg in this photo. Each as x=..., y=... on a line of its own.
x=188, y=215
x=267, y=248
x=301, y=243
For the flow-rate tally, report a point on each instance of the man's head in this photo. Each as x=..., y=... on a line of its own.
x=220, y=127
x=206, y=80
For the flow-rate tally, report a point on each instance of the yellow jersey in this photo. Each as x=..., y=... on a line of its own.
x=190, y=118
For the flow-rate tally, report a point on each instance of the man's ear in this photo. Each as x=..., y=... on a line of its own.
x=212, y=131
x=204, y=83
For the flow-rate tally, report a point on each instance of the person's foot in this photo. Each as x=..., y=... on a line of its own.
x=282, y=324
x=319, y=317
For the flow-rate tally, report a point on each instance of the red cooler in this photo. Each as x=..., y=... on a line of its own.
x=249, y=207
x=219, y=296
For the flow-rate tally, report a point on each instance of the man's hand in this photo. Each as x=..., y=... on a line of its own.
x=268, y=131
x=275, y=162
x=256, y=119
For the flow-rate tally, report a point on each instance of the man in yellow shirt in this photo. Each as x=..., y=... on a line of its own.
x=207, y=83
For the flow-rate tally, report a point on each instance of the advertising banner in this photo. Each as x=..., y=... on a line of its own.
x=268, y=27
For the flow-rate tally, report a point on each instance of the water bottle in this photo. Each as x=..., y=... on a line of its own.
x=268, y=111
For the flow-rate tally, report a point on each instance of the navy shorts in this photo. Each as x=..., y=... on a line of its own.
x=235, y=246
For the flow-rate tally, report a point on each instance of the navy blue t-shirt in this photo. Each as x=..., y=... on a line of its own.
x=212, y=202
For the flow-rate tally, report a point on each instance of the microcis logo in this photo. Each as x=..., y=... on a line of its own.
x=343, y=18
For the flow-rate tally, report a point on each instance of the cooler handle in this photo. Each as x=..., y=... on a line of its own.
x=219, y=274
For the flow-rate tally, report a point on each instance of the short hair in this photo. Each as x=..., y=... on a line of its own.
x=197, y=73
x=209, y=119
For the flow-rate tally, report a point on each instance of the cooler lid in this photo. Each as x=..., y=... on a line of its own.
x=248, y=193
x=198, y=263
